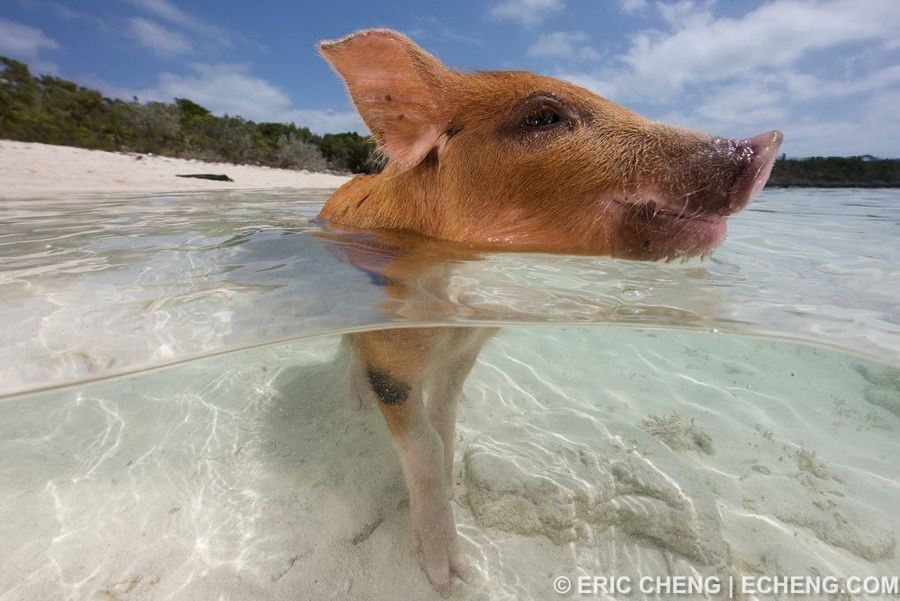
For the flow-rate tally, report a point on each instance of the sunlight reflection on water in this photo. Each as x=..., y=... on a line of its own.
x=102, y=287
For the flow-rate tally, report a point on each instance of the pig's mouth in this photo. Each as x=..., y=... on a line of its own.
x=654, y=230
x=655, y=211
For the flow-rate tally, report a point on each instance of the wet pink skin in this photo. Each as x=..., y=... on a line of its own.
x=764, y=150
x=658, y=226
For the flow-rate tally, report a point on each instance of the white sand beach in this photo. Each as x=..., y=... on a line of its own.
x=29, y=169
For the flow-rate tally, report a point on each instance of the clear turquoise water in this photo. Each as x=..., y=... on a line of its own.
x=174, y=425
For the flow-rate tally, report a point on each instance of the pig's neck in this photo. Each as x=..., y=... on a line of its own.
x=394, y=199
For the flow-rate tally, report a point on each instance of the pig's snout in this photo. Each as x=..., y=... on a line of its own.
x=756, y=158
x=682, y=213
x=707, y=177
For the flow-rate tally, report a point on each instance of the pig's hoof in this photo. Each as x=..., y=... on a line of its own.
x=442, y=557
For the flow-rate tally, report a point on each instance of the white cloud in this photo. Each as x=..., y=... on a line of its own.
x=324, y=121
x=871, y=128
x=632, y=6
x=594, y=82
x=228, y=88
x=818, y=116
x=747, y=104
x=56, y=8
x=564, y=45
x=167, y=11
x=163, y=9
x=824, y=71
x=222, y=88
x=686, y=12
x=735, y=110
x=430, y=28
x=26, y=43
x=776, y=35
x=807, y=87
x=64, y=12
x=158, y=39
x=525, y=12
x=23, y=41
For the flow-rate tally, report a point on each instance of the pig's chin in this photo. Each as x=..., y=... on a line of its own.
x=650, y=231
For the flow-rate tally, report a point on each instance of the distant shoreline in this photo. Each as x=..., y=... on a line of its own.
x=835, y=172
x=872, y=185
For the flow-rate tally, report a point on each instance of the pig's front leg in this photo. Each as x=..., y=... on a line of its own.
x=421, y=454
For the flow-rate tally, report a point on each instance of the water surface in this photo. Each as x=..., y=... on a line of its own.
x=187, y=432
x=94, y=286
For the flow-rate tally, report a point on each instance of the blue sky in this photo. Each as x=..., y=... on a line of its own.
x=826, y=72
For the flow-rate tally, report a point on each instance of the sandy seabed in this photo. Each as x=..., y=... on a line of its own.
x=29, y=169
x=251, y=476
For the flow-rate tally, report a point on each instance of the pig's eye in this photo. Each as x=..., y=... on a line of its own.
x=541, y=118
x=540, y=114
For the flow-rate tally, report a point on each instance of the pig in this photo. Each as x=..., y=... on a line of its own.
x=508, y=161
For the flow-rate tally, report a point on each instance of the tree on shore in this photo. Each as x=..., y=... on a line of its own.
x=51, y=110
x=836, y=172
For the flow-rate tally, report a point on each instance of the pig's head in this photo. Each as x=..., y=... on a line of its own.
x=525, y=161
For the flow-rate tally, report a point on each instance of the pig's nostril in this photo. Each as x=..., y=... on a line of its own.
x=765, y=147
x=769, y=140
x=763, y=150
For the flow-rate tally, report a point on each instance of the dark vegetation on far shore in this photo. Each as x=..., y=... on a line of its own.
x=51, y=110
x=836, y=172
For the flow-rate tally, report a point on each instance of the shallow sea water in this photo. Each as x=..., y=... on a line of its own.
x=174, y=420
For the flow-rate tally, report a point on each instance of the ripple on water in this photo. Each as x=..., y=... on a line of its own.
x=633, y=452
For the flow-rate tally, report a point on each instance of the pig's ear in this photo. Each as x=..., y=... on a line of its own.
x=397, y=88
